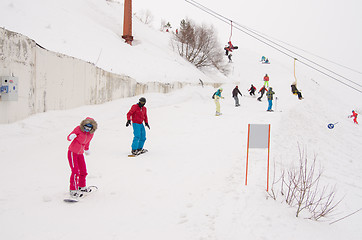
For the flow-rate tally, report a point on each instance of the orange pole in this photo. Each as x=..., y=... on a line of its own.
x=247, y=158
x=267, y=174
x=127, y=22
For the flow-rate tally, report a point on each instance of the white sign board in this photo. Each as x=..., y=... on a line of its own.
x=259, y=136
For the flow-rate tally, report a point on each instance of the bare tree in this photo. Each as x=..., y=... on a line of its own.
x=145, y=16
x=199, y=45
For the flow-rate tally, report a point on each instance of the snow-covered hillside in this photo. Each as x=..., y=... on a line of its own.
x=190, y=185
x=92, y=31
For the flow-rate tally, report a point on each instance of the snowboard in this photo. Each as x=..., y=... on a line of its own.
x=74, y=200
x=135, y=155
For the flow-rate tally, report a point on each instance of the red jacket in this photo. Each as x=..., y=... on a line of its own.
x=266, y=78
x=137, y=114
x=81, y=142
x=354, y=115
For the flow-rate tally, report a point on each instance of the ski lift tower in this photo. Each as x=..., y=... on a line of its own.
x=127, y=22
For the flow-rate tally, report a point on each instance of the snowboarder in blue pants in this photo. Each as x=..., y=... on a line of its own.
x=138, y=115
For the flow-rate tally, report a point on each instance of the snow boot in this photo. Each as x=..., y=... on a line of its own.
x=85, y=190
x=74, y=194
x=140, y=151
x=135, y=152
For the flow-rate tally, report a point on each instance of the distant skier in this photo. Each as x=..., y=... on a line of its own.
x=262, y=91
x=252, y=90
x=229, y=57
x=354, y=115
x=270, y=94
x=138, y=114
x=235, y=96
x=80, y=137
x=217, y=96
x=266, y=80
x=262, y=59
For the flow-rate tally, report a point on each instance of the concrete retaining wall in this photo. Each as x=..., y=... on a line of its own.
x=53, y=81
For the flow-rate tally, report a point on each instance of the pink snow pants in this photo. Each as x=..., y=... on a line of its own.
x=79, y=170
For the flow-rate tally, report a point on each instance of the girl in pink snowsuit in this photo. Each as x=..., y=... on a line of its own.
x=354, y=115
x=80, y=137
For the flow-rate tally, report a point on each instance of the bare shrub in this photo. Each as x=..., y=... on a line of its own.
x=272, y=192
x=301, y=189
x=199, y=46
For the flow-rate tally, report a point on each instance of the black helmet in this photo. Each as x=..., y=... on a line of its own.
x=142, y=100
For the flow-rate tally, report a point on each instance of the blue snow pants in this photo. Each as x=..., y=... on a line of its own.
x=270, y=104
x=139, y=138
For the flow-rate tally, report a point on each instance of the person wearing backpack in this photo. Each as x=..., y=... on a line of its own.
x=217, y=96
x=270, y=94
x=235, y=96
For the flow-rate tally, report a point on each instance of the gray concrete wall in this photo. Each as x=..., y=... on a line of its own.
x=53, y=81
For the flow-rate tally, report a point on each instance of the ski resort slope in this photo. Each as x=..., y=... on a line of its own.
x=191, y=183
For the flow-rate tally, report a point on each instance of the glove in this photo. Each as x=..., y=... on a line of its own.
x=87, y=152
x=147, y=125
x=72, y=136
x=128, y=123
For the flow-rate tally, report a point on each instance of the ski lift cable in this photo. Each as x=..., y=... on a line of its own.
x=226, y=20
x=303, y=57
x=290, y=45
x=213, y=13
x=294, y=70
x=208, y=10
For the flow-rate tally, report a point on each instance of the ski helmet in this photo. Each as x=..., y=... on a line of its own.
x=142, y=100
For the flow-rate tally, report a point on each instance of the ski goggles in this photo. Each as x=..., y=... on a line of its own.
x=88, y=127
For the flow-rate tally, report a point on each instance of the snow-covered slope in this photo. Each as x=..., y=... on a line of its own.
x=92, y=30
x=190, y=185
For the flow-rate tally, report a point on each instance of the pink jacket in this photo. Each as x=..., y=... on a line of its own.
x=81, y=142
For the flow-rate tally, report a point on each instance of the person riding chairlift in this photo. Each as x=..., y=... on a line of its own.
x=229, y=48
x=295, y=91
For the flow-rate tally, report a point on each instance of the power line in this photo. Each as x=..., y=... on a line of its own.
x=227, y=20
x=325, y=59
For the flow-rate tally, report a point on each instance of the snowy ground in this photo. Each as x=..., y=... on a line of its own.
x=191, y=183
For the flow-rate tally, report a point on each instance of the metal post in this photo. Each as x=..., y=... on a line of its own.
x=127, y=22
